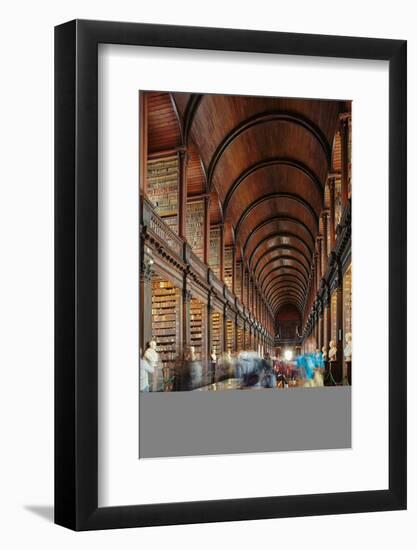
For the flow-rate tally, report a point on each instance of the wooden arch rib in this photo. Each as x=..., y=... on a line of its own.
x=285, y=294
x=283, y=301
x=189, y=115
x=270, y=263
x=286, y=284
x=287, y=297
x=262, y=118
x=275, y=161
x=282, y=280
x=294, y=274
x=274, y=291
x=296, y=270
x=284, y=291
x=289, y=247
x=284, y=234
x=288, y=196
x=275, y=219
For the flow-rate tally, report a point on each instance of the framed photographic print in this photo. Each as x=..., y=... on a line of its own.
x=230, y=275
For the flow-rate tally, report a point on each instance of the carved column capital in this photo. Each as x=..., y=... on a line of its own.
x=146, y=270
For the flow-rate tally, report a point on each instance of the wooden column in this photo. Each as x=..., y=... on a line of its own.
x=339, y=325
x=209, y=332
x=234, y=270
x=319, y=259
x=332, y=227
x=324, y=249
x=186, y=299
x=225, y=328
x=242, y=282
x=145, y=297
x=182, y=195
x=328, y=320
x=321, y=327
x=222, y=253
x=317, y=262
x=206, y=230
x=236, y=329
x=344, y=144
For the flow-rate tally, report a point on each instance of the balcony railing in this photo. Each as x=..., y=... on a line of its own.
x=161, y=229
x=156, y=225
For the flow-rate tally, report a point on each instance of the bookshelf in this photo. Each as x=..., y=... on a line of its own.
x=347, y=301
x=216, y=332
x=246, y=341
x=197, y=329
x=239, y=338
x=230, y=335
x=333, y=317
x=165, y=323
x=238, y=280
x=228, y=266
x=214, y=256
x=195, y=227
x=162, y=188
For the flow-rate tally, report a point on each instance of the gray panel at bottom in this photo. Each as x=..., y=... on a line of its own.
x=225, y=422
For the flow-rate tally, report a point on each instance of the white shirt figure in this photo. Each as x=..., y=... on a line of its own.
x=145, y=370
x=152, y=357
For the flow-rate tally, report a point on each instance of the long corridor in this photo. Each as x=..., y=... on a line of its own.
x=245, y=244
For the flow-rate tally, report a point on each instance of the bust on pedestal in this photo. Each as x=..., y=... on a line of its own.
x=347, y=352
x=152, y=357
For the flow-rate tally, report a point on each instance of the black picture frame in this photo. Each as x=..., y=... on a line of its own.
x=76, y=271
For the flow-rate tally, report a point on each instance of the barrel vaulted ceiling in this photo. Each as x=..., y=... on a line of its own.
x=264, y=162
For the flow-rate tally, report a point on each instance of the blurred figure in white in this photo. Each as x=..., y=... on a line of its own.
x=145, y=369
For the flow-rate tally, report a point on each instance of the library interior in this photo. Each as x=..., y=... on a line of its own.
x=245, y=242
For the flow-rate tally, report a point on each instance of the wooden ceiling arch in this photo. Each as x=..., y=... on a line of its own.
x=286, y=249
x=283, y=280
x=284, y=291
x=286, y=300
x=274, y=286
x=264, y=162
x=285, y=271
x=263, y=118
x=267, y=163
x=269, y=198
x=287, y=268
x=277, y=262
x=286, y=239
x=286, y=297
x=279, y=221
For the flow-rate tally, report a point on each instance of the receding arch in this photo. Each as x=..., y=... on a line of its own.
x=274, y=161
x=286, y=235
x=289, y=279
x=291, y=272
x=277, y=219
x=271, y=196
x=261, y=279
x=280, y=247
x=286, y=299
x=294, y=269
x=189, y=115
x=284, y=291
x=262, y=118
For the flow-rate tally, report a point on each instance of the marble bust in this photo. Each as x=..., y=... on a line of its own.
x=348, y=347
x=332, y=351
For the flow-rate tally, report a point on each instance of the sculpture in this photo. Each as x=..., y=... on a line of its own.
x=152, y=357
x=332, y=351
x=348, y=347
